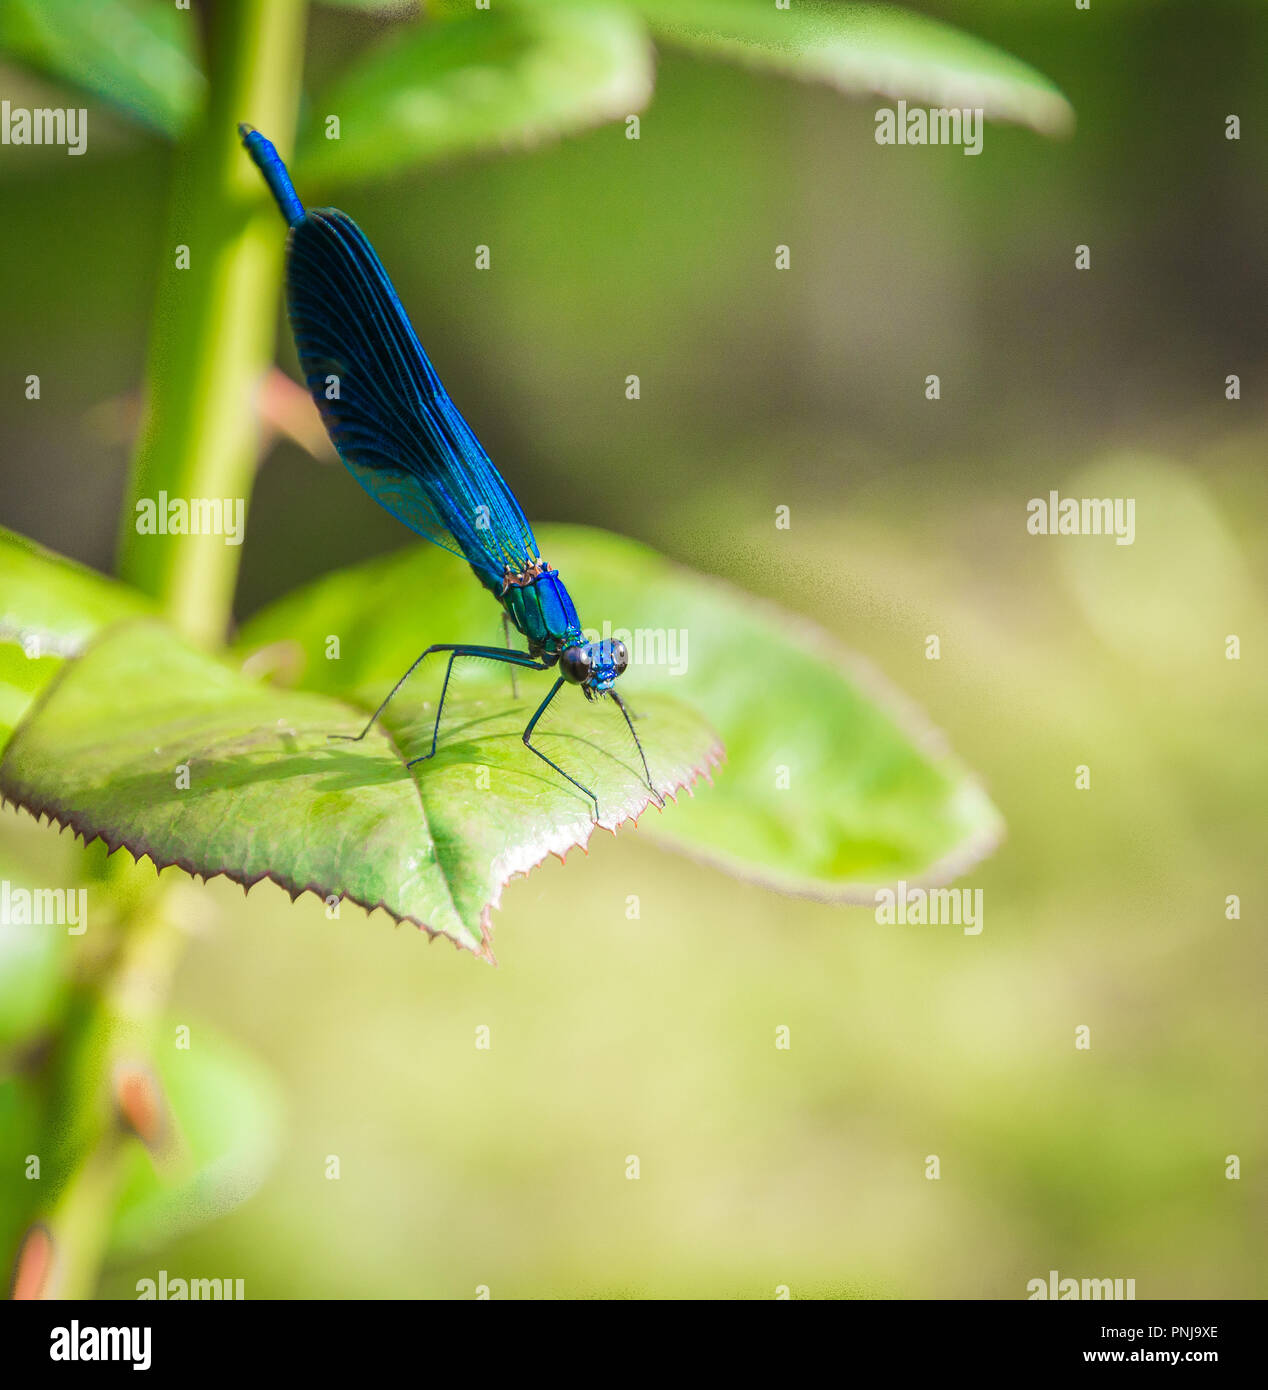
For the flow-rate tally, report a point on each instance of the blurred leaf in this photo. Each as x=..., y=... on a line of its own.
x=389, y=9
x=33, y=989
x=224, y=1114
x=270, y=796
x=21, y=680
x=49, y=607
x=21, y=1119
x=492, y=79
x=32, y=960
x=138, y=55
x=873, y=794
x=1167, y=595
x=862, y=49
x=55, y=601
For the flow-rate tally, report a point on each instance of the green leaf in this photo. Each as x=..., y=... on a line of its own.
x=22, y=1102
x=221, y=1135
x=54, y=601
x=492, y=79
x=33, y=958
x=861, y=49
x=136, y=54
x=49, y=607
x=873, y=795
x=21, y=680
x=270, y=796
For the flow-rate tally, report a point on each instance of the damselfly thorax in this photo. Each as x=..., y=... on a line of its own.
x=541, y=608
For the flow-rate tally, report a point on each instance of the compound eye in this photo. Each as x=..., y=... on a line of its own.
x=575, y=664
x=620, y=657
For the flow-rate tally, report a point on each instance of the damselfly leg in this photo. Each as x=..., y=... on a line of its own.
x=629, y=723
x=506, y=637
x=528, y=734
x=511, y=657
x=458, y=649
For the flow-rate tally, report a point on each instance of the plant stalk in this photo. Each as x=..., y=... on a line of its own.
x=211, y=345
x=215, y=321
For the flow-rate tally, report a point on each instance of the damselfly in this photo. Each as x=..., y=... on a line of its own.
x=404, y=441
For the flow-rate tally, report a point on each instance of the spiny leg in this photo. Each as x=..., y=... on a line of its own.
x=356, y=738
x=510, y=657
x=506, y=636
x=453, y=656
x=528, y=733
x=497, y=653
x=651, y=786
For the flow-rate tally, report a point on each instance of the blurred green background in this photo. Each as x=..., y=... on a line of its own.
x=656, y=1037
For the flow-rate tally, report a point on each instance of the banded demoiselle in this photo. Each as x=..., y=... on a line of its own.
x=405, y=442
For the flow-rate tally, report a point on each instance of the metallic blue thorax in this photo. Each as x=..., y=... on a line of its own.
x=542, y=609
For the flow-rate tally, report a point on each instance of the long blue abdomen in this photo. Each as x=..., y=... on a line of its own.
x=269, y=163
x=401, y=437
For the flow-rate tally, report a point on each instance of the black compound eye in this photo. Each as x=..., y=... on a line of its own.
x=575, y=664
x=620, y=657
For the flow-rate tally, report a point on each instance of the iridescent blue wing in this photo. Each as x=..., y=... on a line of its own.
x=391, y=420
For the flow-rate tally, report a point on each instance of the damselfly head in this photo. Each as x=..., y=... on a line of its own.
x=594, y=666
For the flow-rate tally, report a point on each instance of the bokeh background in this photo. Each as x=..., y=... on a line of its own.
x=805, y=388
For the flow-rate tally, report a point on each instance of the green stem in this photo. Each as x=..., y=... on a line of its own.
x=211, y=345
x=214, y=327
x=112, y=1019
